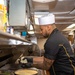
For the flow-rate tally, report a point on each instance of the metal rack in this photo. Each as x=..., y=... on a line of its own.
x=10, y=36
x=6, y=49
x=7, y=54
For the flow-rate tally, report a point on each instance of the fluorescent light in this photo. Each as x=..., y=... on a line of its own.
x=37, y=16
x=31, y=27
x=2, y=2
x=41, y=13
x=60, y=0
x=71, y=26
x=43, y=1
x=30, y=32
x=36, y=19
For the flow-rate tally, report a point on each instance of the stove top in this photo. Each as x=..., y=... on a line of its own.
x=10, y=69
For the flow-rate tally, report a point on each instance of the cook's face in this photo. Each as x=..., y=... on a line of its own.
x=44, y=31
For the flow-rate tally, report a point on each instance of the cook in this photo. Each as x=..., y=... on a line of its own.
x=58, y=57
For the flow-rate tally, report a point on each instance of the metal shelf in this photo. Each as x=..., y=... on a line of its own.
x=10, y=36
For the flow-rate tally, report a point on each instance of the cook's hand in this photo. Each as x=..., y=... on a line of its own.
x=23, y=60
x=26, y=62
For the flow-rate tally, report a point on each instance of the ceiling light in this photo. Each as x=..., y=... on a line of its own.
x=30, y=32
x=41, y=13
x=43, y=1
x=31, y=27
x=2, y=2
x=71, y=26
x=60, y=0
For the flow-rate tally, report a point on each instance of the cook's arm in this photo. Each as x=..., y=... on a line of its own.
x=38, y=62
x=42, y=63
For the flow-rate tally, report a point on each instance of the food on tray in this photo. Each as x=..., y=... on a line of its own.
x=26, y=72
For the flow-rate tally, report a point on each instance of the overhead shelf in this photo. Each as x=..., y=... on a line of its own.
x=10, y=36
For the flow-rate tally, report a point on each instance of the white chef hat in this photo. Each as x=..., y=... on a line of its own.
x=47, y=19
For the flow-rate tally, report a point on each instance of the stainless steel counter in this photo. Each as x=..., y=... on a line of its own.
x=6, y=50
x=7, y=67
